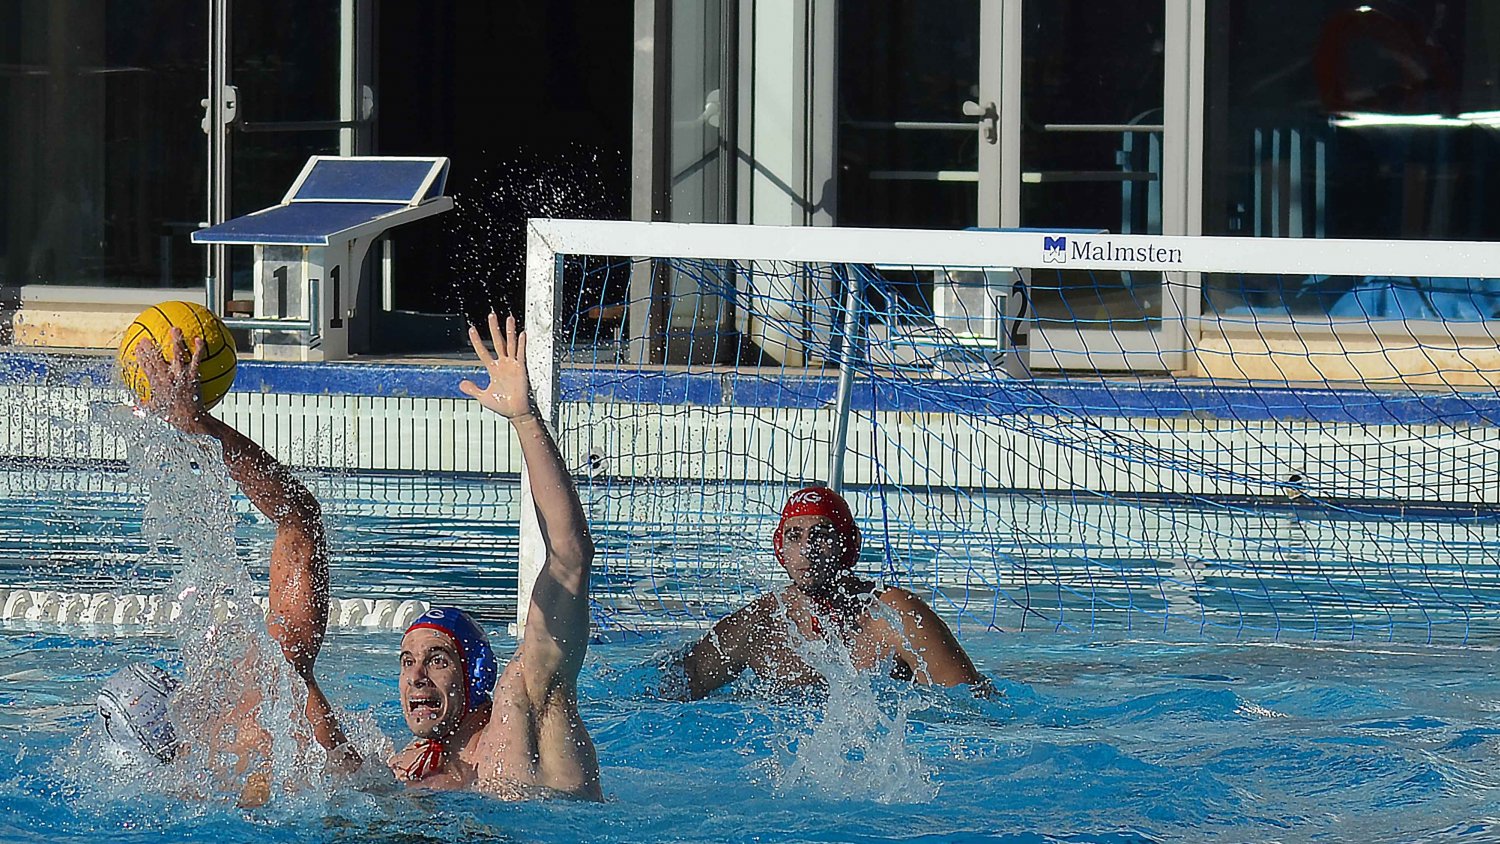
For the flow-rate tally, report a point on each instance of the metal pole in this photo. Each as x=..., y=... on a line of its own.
x=216, y=280
x=851, y=353
x=544, y=275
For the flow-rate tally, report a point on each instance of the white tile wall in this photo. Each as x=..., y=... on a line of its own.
x=1423, y=463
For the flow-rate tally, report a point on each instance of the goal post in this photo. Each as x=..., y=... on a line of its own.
x=1310, y=449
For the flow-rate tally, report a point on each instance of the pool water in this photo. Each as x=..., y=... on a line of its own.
x=1097, y=737
x=1091, y=741
x=450, y=540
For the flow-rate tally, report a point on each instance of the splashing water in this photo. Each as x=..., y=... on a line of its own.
x=486, y=233
x=855, y=747
x=239, y=713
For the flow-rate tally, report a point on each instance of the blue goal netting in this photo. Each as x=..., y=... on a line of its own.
x=1059, y=446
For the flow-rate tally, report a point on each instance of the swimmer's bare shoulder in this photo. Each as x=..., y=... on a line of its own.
x=743, y=628
x=736, y=641
x=766, y=607
x=927, y=644
x=901, y=600
x=759, y=626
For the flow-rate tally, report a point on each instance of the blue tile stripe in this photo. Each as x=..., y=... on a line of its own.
x=1164, y=399
x=354, y=379
x=315, y=379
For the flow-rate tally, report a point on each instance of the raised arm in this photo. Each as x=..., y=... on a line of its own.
x=557, y=624
x=298, y=598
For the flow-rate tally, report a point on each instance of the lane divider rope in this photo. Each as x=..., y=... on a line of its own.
x=19, y=604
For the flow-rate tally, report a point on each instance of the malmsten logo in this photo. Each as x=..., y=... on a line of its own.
x=1057, y=250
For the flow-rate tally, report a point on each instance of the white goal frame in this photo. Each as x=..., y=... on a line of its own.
x=548, y=241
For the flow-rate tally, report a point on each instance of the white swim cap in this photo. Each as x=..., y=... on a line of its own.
x=132, y=713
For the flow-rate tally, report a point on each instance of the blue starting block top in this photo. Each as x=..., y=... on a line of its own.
x=337, y=198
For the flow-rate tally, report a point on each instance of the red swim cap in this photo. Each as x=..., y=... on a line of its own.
x=821, y=501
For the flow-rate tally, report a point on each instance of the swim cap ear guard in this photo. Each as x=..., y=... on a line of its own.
x=473, y=648
x=132, y=714
x=821, y=501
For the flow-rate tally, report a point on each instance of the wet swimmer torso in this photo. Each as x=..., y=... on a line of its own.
x=817, y=544
x=785, y=628
x=519, y=734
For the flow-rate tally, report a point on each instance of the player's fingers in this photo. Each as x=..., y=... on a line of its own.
x=478, y=344
x=496, y=337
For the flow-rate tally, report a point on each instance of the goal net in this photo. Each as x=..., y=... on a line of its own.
x=1063, y=430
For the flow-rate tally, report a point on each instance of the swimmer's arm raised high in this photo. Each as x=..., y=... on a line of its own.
x=298, y=598
x=928, y=646
x=557, y=625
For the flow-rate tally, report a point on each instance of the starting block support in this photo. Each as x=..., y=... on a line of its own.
x=310, y=249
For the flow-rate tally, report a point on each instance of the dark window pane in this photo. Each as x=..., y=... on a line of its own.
x=286, y=60
x=101, y=152
x=1332, y=119
x=907, y=62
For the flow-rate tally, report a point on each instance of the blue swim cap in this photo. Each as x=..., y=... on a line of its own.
x=473, y=648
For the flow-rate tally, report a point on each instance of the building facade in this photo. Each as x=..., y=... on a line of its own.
x=1179, y=117
x=124, y=125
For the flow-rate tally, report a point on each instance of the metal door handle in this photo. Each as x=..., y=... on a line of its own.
x=988, y=116
x=231, y=100
x=1036, y=177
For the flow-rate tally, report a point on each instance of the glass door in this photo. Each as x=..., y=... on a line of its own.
x=287, y=80
x=1099, y=149
x=919, y=140
x=1064, y=114
x=918, y=125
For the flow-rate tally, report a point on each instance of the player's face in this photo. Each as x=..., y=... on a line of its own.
x=432, y=683
x=811, y=551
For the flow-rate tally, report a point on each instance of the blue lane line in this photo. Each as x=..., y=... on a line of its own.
x=315, y=379
x=1005, y=398
x=354, y=379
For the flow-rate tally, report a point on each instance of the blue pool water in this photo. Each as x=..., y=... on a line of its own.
x=450, y=540
x=1097, y=737
x=1118, y=741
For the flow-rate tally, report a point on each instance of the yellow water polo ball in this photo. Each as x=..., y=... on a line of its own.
x=215, y=368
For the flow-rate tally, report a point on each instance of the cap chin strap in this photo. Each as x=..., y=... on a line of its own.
x=429, y=761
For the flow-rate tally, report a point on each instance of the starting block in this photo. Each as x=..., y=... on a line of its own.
x=310, y=249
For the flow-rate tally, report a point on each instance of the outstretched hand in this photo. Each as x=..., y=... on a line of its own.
x=175, y=394
x=509, y=390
